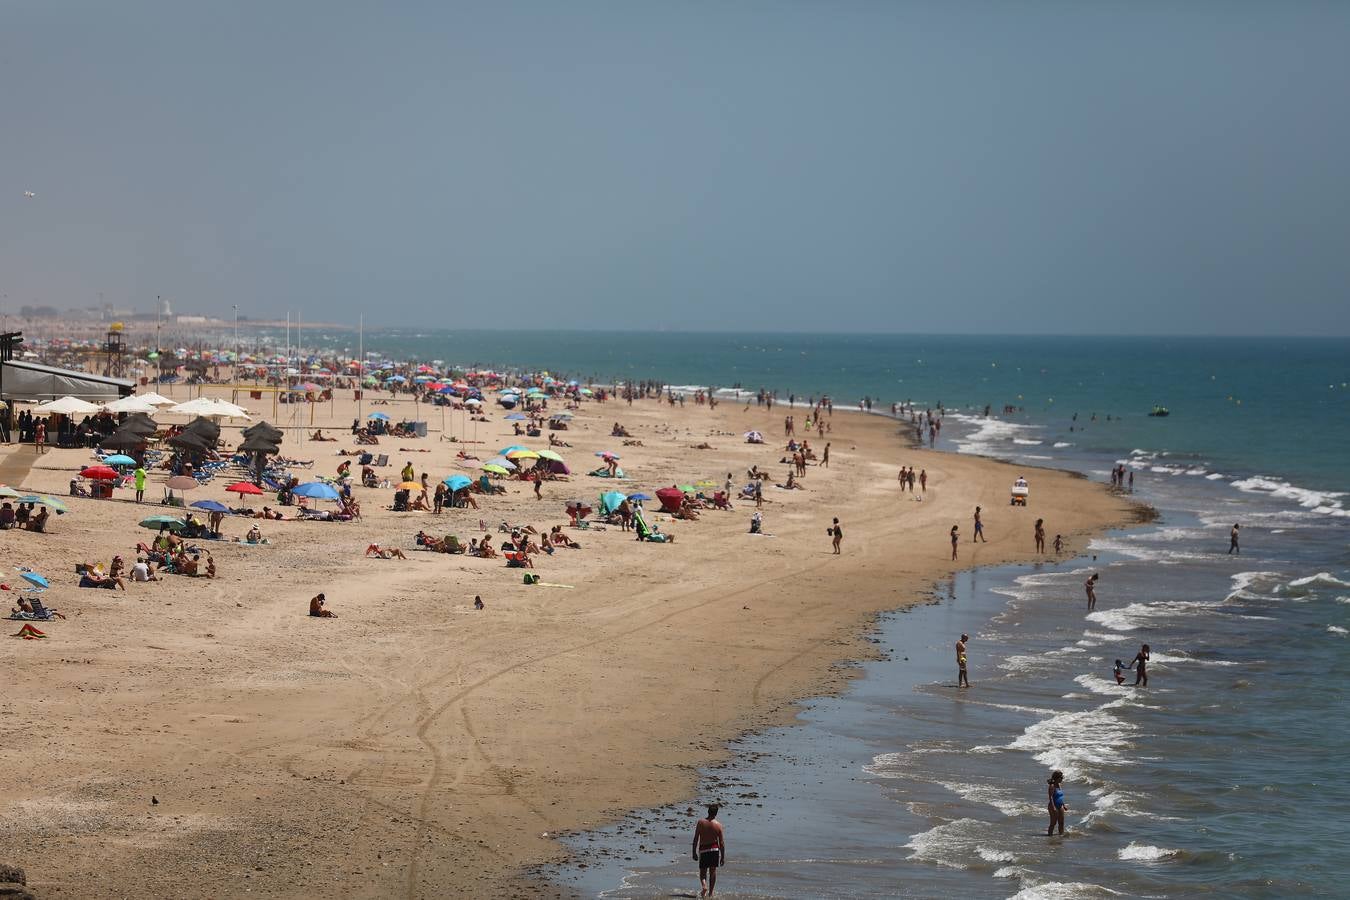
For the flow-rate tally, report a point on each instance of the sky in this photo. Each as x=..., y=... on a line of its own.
x=1023, y=167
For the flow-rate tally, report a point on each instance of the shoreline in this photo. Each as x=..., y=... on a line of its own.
x=439, y=739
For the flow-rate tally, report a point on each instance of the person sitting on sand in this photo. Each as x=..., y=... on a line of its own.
x=254, y=536
x=316, y=608
x=385, y=552
x=554, y=442
x=92, y=578
x=318, y=436
x=419, y=503
x=485, y=548
x=142, y=570
x=210, y=566
x=7, y=518
x=39, y=522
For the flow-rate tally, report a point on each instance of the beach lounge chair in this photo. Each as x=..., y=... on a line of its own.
x=381, y=460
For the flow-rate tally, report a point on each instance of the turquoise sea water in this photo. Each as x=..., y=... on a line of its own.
x=1223, y=778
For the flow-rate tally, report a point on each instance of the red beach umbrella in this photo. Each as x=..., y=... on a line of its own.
x=98, y=473
x=244, y=487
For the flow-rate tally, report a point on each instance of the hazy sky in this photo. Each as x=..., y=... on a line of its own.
x=947, y=166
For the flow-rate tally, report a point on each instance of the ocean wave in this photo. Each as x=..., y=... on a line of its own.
x=1073, y=741
x=1063, y=890
x=1100, y=685
x=1139, y=615
x=1027, y=442
x=996, y=856
x=1336, y=629
x=1319, y=578
x=1060, y=445
x=1324, y=502
x=1343, y=599
x=1145, y=853
x=1244, y=580
x=999, y=799
x=1165, y=658
x=951, y=844
x=1130, y=547
x=987, y=433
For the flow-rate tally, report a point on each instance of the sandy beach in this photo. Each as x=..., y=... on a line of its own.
x=417, y=747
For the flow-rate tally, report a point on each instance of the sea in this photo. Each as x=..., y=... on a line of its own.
x=1223, y=777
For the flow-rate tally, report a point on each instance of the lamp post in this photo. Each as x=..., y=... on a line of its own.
x=234, y=370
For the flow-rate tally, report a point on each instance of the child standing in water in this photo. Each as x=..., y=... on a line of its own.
x=1119, y=672
x=1055, y=802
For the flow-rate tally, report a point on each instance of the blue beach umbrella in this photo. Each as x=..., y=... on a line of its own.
x=316, y=490
x=609, y=501
x=378, y=415
x=638, y=497
x=118, y=459
x=211, y=506
x=34, y=579
x=506, y=450
x=457, y=482
x=503, y=462
x=516, y=417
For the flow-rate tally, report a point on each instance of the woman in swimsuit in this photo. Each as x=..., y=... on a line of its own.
x=955, y=537
x=1040, y=535
x=1055, y=801
x=1140, y=666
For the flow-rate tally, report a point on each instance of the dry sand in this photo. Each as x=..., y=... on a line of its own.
x=415, y=747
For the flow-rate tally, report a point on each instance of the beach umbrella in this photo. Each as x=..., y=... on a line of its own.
x=550, y=454
x=43, y=500
x=670, y=498
x=190, y=441
x=155, y=523
x=118, y=459
x=687, y=488
x=639, y=496
x=243, y=487
x=473, y=401
x=516, y=417
x=67, y=406
x=129, y=405
x=204, y=428
x=457, y=482
x=317, y=490
x=265, y=428
x=139, y=424
x=504, y=463
x=522, y=453
x=495, y=469
x=607, y=454
x=378, y=415
x=181, y=483
x=506, y=450
x=409, y=486
x=156, y=400
x=609, y=501
x=7, y=491
x=211, y=506
x=259, y=444
x=98, y=473
x=123, y=440
x=35, y=580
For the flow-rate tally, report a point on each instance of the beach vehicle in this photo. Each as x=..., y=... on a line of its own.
x=1020, y=492
x=1160, y=412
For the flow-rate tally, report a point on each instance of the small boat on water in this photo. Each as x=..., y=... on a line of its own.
x=1160, y=412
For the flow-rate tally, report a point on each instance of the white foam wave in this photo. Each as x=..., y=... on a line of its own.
x=1244, y=580
x=995, y=856
x=1060, y=445
x=1324, y=502
x=1319, y=578
x=1073, y=741
x=1336, y=629
x=1165, y=658
x=1139, y=615
x=950, y=844
x=998, y=798
x=1099, y=685
x=1343, y=599
x=1145, y=852
x=1063, y=890
x=1027, y=442
x=988, y=433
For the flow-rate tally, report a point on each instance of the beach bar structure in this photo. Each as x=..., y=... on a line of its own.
x=35, y=383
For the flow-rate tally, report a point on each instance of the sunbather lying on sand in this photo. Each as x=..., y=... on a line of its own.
x=385, y=552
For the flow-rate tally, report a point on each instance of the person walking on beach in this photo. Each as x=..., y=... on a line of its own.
x=710, y=850
x=837, y=533
x=40, y=438
x=1091, y=587
x=1140, y=666
x=962, y=680
x=825, y=456
x=1233, y=540
x=923, y=480
x=979, y=529
x=956, y=536
x=1040, y=535
x=140, y=483
x=1055, y=802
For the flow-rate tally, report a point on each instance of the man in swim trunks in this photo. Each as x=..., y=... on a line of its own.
x=979, y=528
x=1233, y=541
x=710, y=850
x=962, y=680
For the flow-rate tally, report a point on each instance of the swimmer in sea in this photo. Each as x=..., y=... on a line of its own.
x=1119, y=672
x=1055, y=802
x=962, y=680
